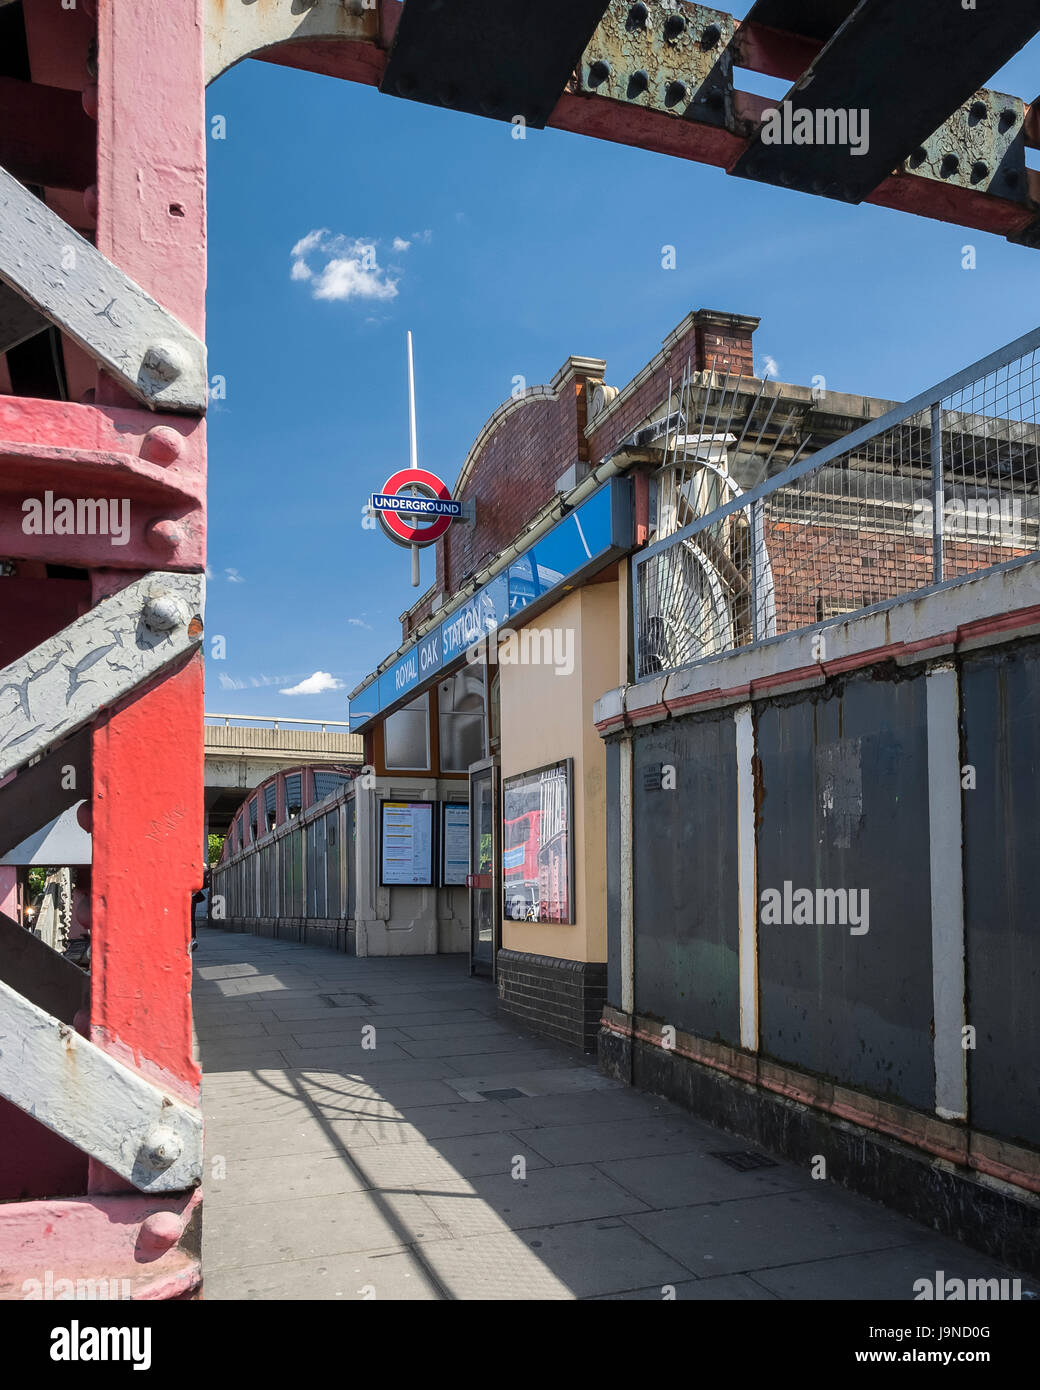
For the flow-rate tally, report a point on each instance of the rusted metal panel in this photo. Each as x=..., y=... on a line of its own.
x=664, y=59
x=885, y=48
x=684, y=815
x=509, y=59
x=1000, y=695
x=843, y=805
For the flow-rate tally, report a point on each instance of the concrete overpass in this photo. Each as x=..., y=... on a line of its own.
x=241, y=750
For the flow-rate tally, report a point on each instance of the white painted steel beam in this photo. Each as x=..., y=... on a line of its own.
x=946, y=835
x=747, y=885
x=124, y=641
x=88, y=1098
x=60, y=274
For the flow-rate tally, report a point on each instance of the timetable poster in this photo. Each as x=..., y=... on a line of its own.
x=407, y=842
x=455, y=844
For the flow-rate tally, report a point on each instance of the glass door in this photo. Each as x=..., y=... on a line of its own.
x=483, y=889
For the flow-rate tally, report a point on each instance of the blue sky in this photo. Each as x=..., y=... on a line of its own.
x=519, y=253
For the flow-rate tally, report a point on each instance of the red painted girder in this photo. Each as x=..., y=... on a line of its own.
x=626, y=124
x=147, y=823
x=45, y=135
x=154, y=463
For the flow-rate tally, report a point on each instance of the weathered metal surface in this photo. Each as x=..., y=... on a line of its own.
x=672, y=59
x=980, y=146
x=685, y=876
x=1000, y=699
x=43, y=791
x=88, y=1098
x=159, y=361
x=41, y=975
x=124, y=641
x=884, y=48
x=843, y=779
x=510, y=59
x=237, y=29
x=101, y=1248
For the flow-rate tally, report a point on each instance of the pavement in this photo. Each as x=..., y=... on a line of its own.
x=375, y=1131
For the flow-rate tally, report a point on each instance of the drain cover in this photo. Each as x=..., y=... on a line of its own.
x=744, y=1160
x=508, y=1093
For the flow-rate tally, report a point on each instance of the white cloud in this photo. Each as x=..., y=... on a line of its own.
x=351, y=268
x=233, y=576
x=228, y=683
x=399, y=243
x=314, y=685
x=769, y=367
x=358, y=622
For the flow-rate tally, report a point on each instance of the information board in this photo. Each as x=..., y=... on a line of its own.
x=454, y=843
x=407, y=842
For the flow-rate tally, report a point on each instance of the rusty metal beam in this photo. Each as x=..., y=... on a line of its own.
x=898, y=72
x=506, y=59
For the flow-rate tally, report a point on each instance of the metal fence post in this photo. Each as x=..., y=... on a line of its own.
x=937, y=494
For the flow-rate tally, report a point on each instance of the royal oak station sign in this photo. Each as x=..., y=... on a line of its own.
x=410, y=498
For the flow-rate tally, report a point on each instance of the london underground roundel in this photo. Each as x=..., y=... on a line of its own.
x=415, y=507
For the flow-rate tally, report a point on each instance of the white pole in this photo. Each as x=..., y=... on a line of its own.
x=413, y=446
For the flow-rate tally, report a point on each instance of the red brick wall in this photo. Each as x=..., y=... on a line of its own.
x=515, y=473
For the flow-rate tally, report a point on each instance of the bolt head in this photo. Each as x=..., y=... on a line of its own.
x=163, y=535
x=165, y=612
x=162, y=1148
x=162, y=445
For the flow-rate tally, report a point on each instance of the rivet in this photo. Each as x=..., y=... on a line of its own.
x=164, y=612
x=675, y=93
x=162, y=1147
x=1008, y=117
x=950, y=165
x=711, y=36
x=599, y=72
x=163, y=534
x=979, y=171
x=637, y=84
x=162, y=445
x=161, y=1231
x=977, y=111
x=674, y=26
x=638, y=17
x=163, y=363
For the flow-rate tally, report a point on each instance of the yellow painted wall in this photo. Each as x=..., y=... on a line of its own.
x=547, y=717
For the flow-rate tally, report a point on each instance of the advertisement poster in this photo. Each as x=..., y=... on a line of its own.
x=455, y=844
x=407, y=843
x=537, y=854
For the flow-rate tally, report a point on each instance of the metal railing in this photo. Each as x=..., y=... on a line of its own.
x=274, y=722
x=944, y=486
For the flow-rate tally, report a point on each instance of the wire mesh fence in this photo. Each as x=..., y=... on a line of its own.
x=946, y=486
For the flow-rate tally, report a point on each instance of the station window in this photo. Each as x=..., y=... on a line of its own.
x=460, y=702
x=407, y=737
x=294, y=795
